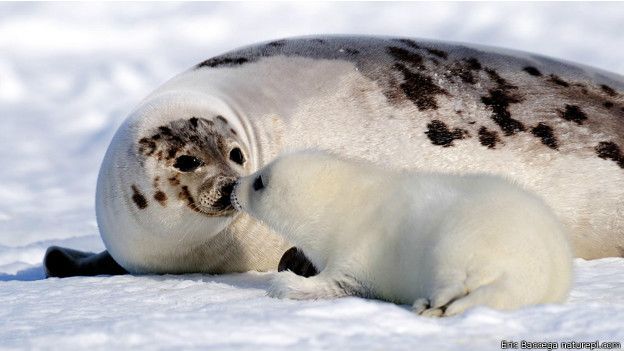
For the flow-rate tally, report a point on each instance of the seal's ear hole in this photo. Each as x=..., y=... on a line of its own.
x=258, y=183
x=187, y=163
x=236, y=155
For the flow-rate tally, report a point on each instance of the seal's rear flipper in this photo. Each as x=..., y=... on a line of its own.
x=295, y=261
x=63, y=262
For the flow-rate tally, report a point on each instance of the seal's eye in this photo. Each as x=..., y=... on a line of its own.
x=236, y=155
x=258, y=184
x=187, y=163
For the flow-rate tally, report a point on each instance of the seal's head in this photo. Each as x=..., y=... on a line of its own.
x=165, y=183
x=196, y=158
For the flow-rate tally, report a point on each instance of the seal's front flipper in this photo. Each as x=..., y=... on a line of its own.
x=295, y=261
x=62, y=262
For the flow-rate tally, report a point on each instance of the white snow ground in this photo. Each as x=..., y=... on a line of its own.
x=69, y=73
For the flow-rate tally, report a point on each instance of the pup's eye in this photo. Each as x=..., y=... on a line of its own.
x=258, y=184
x=236, y=155
x=187, y=163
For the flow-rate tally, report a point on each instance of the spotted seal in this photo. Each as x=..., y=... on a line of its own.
x=553, y=126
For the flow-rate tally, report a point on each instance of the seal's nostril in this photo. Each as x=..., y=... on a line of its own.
x=258, y=183
x=227, y=190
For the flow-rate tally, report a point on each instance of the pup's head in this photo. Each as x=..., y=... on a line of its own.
x=295, y=192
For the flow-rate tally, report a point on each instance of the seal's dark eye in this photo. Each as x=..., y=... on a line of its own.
x=236, y=155
x=258, y=184
x=187, y=163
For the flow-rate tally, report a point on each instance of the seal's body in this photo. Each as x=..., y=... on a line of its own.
x=554, y=127
x=443, y=242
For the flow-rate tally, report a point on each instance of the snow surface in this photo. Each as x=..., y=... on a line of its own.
x=70, y=73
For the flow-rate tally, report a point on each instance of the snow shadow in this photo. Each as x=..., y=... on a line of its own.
x=28, y=274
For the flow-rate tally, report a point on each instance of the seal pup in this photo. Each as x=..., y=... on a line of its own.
x=444, y=243
x=552, y=126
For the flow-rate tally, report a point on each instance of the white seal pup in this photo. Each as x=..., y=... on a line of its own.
x=552, y=126
x=442, y=242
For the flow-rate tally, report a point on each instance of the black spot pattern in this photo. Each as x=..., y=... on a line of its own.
x=420, y=89
x=532, y=71
x=499, y=100
x=488, y=138
x=608, y=90
x=609, y=150
x=573, y=113
x=440, y=134
x=557, y=80
x=545, y=133
x=439, y=53
x=407, y=57
x=465, y=70
x=223, y=61
x=138, y=198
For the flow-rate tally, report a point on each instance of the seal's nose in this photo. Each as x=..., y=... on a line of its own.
x=225, y=191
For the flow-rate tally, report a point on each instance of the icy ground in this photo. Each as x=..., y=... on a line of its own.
x=69, y=74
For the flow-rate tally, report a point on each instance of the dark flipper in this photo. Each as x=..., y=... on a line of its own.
x=295, y=261
x=63, y=262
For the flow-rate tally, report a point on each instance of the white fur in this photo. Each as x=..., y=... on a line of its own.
x=442, y=242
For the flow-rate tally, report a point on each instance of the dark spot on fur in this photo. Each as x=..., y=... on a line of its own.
x=351, y=51
x=233, y=131
x=222, y=119
x=406, y=56
x=545, y=133
x=488, y=137
x=610, y=151
x=532, y=71
x=161, y=197
x=439, y=134
x=499, y=101
x=166, y=131
x=277, y=43
x=223, y=61
x=185, y=195
x=408, y=42
x=420, y=89
x=439, y=53
x=473, y=64
x=573, y=113
x=147, y=146
x=608, y=90
x=194, y=121
x=138, y=198
x=171, y=153
x=464, y=69
x=608, y=104
x=156, y=180
x=174, y=181
x=320, y=41
x=557, y=80
x=500, y=81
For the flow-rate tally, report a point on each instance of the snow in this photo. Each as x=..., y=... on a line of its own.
x=71, y=72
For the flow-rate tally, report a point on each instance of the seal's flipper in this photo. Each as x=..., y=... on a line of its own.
x=62, y=262
x=295, y=261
